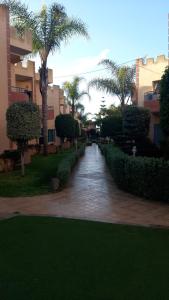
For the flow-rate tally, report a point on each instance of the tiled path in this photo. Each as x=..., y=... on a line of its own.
x=91, y=194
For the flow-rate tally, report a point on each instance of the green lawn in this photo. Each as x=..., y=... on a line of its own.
x=48, y=259
x=37, y=179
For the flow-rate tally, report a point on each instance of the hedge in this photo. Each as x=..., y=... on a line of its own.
x=66, y=165
x=142, y=176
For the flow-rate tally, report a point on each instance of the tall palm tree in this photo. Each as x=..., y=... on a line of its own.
x=50, y=27
x=79, y=108
x=73, y=93
x=121, y=82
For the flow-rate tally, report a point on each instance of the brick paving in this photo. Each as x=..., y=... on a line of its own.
x=90, y=194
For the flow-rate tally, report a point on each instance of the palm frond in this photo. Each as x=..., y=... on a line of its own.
x=62, y=29
x=21, y=17
x=83, y=93
x=109, y=86
x=50, y=27
x=109, y=64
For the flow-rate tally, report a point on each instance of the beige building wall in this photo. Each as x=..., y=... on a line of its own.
x=148, y=72
x=18, y=74
x=54, y=101
x=5, y=70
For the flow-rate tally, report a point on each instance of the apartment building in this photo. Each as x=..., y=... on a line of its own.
x=19, y=80
x=148, y=76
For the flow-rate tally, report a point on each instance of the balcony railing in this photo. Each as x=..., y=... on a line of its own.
x=20, y=95
x=151, y=101
x=149, y=96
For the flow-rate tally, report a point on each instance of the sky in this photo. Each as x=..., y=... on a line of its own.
x=120, y=30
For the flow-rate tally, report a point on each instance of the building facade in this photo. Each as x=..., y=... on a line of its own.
x=148, y=76
x=20, y=82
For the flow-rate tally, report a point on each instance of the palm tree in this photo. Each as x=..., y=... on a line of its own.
x=50, y=27
x=121, y=82
x=73, y=94
x=79, y=108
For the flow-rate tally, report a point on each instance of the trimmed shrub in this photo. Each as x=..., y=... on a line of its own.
x=66, y=165
x=112, y=126
x=66, y=127
x=11, y=154
x=136, y=122
x=143, y=176
x=164, y=102
x=23, y=122
x=23, y=125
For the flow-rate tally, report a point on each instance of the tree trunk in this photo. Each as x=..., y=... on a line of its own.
x=122, y=103
x=43, y=72
x=73, y=109
x=73, y=115
x=22, y=163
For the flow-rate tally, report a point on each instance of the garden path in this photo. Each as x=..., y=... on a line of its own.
x=90, y=194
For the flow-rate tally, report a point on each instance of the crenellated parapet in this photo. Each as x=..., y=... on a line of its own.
x=150, y=61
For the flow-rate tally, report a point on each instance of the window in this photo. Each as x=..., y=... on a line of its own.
x=51, y=135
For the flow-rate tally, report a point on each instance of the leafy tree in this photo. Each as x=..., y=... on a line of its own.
x=66, y=127
x=113, y=110
x=73, y=93
x=110, y=111
x=164, y=103
x=112, y=126
x=79, y=108
x=120, y=84
x=23, y=125
x=50, y=27
x=136, y=122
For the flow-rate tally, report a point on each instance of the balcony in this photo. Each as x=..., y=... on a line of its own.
x=20, y=45
x=51, y=114
x=20, y=95
x=151, y=101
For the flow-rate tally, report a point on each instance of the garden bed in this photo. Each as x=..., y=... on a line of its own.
x=143, y=176
x=39, y=174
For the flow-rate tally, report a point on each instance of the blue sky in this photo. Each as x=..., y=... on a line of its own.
x=120, y=30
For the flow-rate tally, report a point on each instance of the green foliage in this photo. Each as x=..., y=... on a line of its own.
x=111, y=126
x=66, y=259
x=11, y=154
x=120, y=82
x=142, y=176
x=23, y=122
x=66, y=126
x=39, y=173
x=74, y=95
x=66, y=165
x=164, y=102
x=136, y=122
x=50, y=27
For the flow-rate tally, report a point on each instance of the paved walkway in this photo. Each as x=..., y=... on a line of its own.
x=90, y=194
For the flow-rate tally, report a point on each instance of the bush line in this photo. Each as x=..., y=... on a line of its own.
x=142, y=176
x=66, y=165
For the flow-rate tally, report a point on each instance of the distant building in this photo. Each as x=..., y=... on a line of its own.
x=19, y=82
x=148, y=76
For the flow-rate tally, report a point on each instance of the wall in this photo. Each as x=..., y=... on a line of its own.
x=148, y=72
x=5, y=81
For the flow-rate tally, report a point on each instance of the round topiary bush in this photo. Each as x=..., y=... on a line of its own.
x=23, y=125
x=66, y=127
